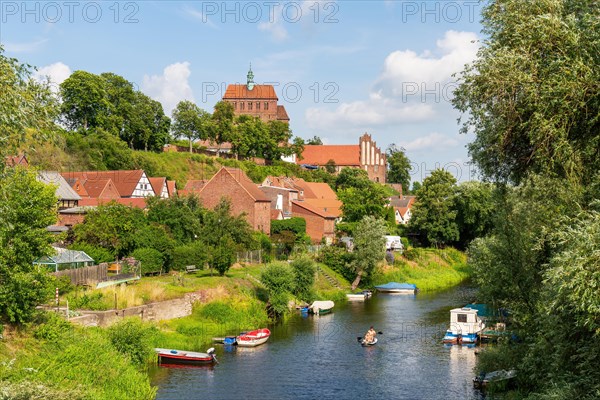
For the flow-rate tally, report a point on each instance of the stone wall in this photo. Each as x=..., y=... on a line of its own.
x=163, y=310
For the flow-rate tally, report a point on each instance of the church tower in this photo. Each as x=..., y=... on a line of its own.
x=250, y=79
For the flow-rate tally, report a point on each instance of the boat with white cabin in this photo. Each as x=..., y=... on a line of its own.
x=465, y=326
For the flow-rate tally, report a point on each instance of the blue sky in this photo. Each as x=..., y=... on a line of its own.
x=341, y=68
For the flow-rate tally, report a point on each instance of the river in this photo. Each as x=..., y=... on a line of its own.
x=318, y=357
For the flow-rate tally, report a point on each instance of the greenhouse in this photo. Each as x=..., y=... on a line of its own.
x=65, y=259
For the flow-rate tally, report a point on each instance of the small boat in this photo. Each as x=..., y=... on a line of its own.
x=395, y=287
x=253, y=338
x=371, y=343
x=320, y=307
x=168, y=356
x=465, y=326
x=361, y=296
x=496, y=378
x=232, y=340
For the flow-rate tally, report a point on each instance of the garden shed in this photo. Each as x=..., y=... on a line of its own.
x=65, y=259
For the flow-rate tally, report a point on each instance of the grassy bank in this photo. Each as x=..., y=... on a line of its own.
x=429, y=269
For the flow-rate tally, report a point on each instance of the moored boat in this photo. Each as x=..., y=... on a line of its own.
x=465, y=326
x=397, y=288
x=253, y=338
x=180, y=357
x=361, y=296
x=321, y=307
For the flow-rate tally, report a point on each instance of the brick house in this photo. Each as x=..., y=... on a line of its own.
x=256, y=100
x=402, y=208
x=133, y=183
x=98, y=189
x=159, y=186
x=281, y=198
x=245, y=197
x=319, y=224
x=365, y=155
x=67, y=197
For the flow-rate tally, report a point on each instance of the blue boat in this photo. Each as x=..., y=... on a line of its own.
x=395, y=287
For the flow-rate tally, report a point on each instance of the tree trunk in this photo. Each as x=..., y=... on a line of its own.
x=357, y=280
x=190, y=145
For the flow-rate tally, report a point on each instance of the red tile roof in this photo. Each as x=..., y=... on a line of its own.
x=315, y=190
x=247, y=184
x=11, y=161
x=171, y=188
x=158, y=184
x=125, y=181
x=79, y=187
x=276, y=214
x=282, y=114
x=96, y=187
x=329, y=206
x=313, y=209
x=345, y=155
x=237, y=91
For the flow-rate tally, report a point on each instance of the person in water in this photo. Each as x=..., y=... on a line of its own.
x=370, y=335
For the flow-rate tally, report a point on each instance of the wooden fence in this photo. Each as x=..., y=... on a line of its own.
x=86, y=275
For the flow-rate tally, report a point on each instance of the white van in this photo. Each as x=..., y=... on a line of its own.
x=393, y=243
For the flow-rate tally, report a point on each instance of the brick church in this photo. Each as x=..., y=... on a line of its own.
x=256, y=100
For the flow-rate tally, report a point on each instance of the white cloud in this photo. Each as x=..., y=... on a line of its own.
x=411, y=88
x=25, y=47
x=430, y=142
x=407, y=68
x=171, y=87
x=57, y=73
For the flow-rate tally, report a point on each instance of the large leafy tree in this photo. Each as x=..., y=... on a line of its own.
x=369, y=248
x=434, y=214
x=85, y=102
x=474, y=205
x=223, y=122
x=191, y=122
x=398, y=167
x=532, y=95
x=112, y=226
x=27, y=207
x=182, y=216
x=26, y=105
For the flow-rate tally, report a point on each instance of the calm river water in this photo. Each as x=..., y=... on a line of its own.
x=319, y=357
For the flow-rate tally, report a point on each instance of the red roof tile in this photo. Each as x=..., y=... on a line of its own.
x=158, y=184
x=312, y=209
x=345, y=155
x=11, y=161
x=282, y=114
x=95, y=187
x=195, y=185
x=125, y=181
x=247, y=184
x=171, y=188
x=237, y=91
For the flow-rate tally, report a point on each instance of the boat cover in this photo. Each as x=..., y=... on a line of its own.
x=396, y=285
x=321, y=305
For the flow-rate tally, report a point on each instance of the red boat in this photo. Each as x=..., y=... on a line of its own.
x=253, y=338
x=168, y=356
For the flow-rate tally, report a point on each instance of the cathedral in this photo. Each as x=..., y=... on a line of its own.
x=256, y=100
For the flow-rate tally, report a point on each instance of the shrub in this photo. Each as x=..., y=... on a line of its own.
x=296, y=225
x=339, y=260
x=223, y=256
x=152, y=260
x=99, y=254
x=54, y=327
x=278, y=278
x=131, y=338
x=190, y=254
x=93, y=301
x=304, y=277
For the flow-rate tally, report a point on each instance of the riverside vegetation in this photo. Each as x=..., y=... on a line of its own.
x=50, y=358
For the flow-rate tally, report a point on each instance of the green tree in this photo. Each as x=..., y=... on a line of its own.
x=352, y=177
x=358, y=203
x=278, y=278
x=304, y=278
x=84, y=100
x=25, y=105
x=151, y=260
x=398, y=167
x=112, y=226
x=27, y=207
x=330, y=166
x=223, y=255
x=220, y=223
x=223, y=122
x=191, y=122
x=474, y=205
x=532, y=94
x=434, y=213
x=182, y=216
x=369, y=248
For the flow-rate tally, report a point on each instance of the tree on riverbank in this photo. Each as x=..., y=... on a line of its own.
x=369, y=248
x=533, y=102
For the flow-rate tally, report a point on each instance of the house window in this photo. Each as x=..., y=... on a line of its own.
x=266, y=105
x=235, y=105
x=258, y=105
x=241, y=105
x=249, y=106
x=461, y=317
x=376, y=168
